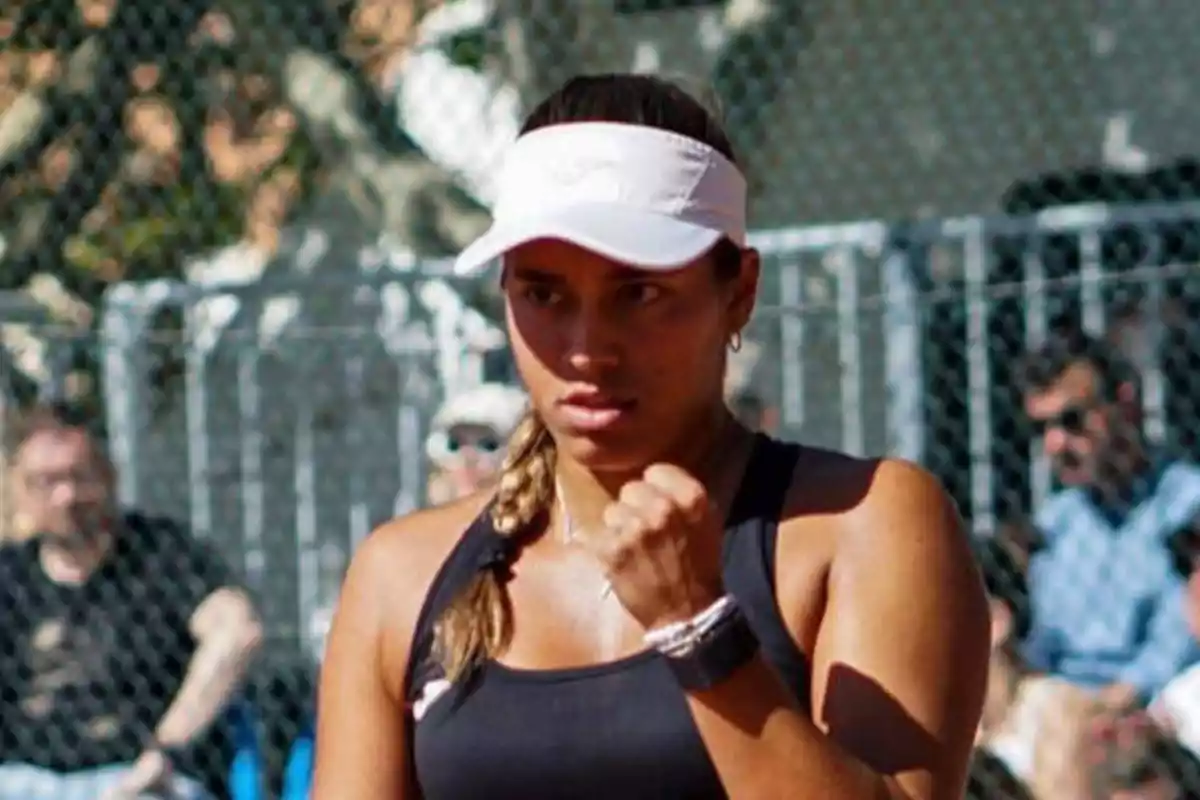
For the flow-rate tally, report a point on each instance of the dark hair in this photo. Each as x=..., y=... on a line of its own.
x=53, y=416
x=1067, y=346
x=990, y=779
x=1004, y=579
x=1183, y=546
x=478, y=624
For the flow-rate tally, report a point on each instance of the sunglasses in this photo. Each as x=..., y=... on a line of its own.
x=1071, y=420
x=483, y=443
x=444, y=447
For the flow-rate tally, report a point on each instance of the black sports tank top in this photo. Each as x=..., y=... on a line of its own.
x=621, y=729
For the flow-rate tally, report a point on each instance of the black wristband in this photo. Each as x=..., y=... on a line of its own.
x=728, y=647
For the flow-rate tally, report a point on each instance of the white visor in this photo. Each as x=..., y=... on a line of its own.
x=642, y=196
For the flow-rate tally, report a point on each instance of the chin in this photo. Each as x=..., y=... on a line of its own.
x=606, y=453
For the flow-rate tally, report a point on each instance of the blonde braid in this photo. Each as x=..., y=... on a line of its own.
x=477, y=625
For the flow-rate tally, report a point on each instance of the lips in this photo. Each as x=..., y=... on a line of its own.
x=593, y=411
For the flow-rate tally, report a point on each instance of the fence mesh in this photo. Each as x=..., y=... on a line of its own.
x=220, y=232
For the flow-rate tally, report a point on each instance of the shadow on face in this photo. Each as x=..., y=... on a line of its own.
x=621, y=363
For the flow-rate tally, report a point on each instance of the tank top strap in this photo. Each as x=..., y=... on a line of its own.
x=466, y=558
x=748, y=556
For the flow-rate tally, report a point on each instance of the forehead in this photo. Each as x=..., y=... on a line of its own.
x=473, y=429
x=550, y=259
x=1079, y=381
x=55, y=449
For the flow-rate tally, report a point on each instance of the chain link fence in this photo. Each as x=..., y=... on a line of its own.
x=222, y=227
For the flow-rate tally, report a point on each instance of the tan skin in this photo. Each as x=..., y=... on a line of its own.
x=874, y=575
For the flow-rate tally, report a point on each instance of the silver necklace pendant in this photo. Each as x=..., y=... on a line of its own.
x=568, y=535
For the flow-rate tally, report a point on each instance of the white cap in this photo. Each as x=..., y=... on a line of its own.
x=495, y=406
x=490, y=405
x=638, y=195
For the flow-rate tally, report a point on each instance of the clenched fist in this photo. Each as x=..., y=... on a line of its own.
x=661, y=547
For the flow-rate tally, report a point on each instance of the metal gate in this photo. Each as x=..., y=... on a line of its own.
x=875, y=339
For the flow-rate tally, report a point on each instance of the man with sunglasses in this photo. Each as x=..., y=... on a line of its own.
x=1108, y=629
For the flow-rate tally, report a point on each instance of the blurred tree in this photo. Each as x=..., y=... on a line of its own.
x=135, y=133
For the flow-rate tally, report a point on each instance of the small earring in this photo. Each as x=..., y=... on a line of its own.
x=735, y=341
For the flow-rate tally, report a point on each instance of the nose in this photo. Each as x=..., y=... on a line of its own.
x=591, y=344
x=1054, y=441
x=65, y=493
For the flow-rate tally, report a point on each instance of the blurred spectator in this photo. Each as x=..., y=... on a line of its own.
x=1177, y=707
x=1131, y=758
x=1108, y=626
x=466, y=446
x=123, y=638
x=753, y=412
x=1009, y=720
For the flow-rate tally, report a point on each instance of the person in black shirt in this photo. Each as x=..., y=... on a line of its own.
x=121, y=637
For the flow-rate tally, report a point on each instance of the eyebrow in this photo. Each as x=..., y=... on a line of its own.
x=616, y=274
x=535, y=275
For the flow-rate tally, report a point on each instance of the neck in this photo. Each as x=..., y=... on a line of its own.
x=1127, y=468
x=589, y=492
x=73, y=560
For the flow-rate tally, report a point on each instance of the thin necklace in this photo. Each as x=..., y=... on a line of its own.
x=569, y=532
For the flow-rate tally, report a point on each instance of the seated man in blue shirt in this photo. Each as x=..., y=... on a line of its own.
x=1108, y=612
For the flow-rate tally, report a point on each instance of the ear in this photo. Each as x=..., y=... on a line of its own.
x=1002, y=623
x=745, y=290
x=1126, y=396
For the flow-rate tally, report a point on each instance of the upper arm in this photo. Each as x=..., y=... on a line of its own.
x=900, y=661
x=362, y=750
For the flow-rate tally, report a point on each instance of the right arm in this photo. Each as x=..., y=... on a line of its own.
x=362, y=750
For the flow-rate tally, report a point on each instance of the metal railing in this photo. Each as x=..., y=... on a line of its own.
x=299, y=418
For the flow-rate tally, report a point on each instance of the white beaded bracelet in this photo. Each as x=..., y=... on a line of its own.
x=680, y=638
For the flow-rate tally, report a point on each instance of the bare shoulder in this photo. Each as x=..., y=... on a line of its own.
x=859, y=503
x=852, y=521
x=416, y=544
x=392, y=572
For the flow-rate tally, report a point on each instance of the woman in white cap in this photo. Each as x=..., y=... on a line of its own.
x=466, y=443
x=653, y=602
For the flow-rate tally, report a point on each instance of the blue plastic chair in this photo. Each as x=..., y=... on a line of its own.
x=298, y=770
x=246, y=771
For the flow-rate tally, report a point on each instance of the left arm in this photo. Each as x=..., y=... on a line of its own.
x=1167, y=649
x=900, y=665
x=227, y=633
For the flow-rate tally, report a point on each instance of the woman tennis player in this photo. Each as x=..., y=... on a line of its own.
x=654, y=602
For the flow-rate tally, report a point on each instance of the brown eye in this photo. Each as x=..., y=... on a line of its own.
x=541, y=295
x=641, y=293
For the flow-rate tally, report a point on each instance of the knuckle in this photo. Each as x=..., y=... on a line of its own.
x=614, y=516
x=631, y=493
x=660, y=512
x=659, y=474
x=694, y=499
